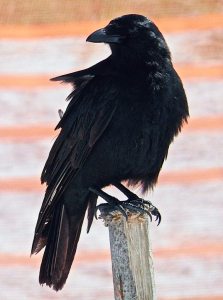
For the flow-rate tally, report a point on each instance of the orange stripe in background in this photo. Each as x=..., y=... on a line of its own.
x=199, y=72
x=191, y=176
x=200, y=250
x=184, y=23
x=22, y=184
x=204, y=124
x=32, y=184
x=26, y=81
x=27, y=133
x=31, y=81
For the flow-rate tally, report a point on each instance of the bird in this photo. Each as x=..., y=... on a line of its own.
x=122, y=116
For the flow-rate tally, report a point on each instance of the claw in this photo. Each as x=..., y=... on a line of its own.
x=134, y=204
x=95, y=212
x=140, y=206
x=123, y=206
x=98, y=208
x=157, y=214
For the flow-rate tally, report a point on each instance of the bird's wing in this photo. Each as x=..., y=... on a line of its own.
x=87, y=116
x=101, y=68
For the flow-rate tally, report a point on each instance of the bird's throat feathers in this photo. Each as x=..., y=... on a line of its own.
x=147, y=56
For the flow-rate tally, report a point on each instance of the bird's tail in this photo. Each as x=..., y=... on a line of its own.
x=61, y=241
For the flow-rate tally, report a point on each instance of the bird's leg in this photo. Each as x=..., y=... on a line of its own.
x=112, y=201
x=135, y=201
x=130, y=195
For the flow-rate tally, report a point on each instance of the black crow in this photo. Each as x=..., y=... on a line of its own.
x=122, y=116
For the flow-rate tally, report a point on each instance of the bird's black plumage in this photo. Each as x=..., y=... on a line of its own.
x=122, y=116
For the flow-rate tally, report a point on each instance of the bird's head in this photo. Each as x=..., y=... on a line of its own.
x=132, y=35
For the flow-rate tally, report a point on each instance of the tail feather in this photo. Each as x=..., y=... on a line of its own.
x=61, y=245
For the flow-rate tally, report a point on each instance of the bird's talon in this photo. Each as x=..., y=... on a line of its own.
x=144, y=206
x=133, y=204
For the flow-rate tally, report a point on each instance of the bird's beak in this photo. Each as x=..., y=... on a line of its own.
x=100, y=36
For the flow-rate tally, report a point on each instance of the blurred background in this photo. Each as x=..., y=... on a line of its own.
x=45, y=38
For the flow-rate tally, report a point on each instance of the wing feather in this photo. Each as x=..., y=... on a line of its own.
x=87, y=116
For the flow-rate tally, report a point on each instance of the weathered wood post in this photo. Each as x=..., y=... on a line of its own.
x=132, y=264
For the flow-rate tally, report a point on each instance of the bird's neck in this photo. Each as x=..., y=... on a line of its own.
x=130, y=62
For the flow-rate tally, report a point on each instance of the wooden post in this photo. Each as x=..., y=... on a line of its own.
x=132, y=264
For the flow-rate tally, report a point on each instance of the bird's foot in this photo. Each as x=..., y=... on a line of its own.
x=136, y=205
x=142, y=206
x=132, y=197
